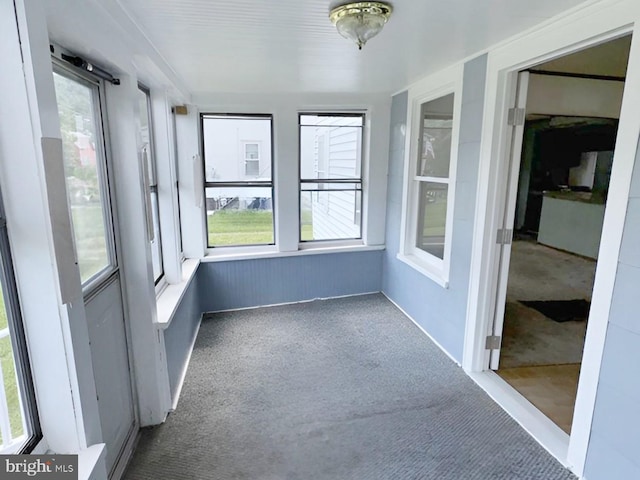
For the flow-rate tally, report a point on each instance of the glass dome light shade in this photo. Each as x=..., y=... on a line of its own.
x=360, y=21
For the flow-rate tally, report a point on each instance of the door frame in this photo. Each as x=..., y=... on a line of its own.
x=577, y=29
x=104, y=279
x=506, y=219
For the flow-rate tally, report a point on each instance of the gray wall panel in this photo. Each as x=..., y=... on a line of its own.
x=441, y=312
x=179, y=337
x=250, y=283
x=615, y=432
x=605, y=462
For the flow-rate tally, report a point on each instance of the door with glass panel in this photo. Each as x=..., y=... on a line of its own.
x=81, y=111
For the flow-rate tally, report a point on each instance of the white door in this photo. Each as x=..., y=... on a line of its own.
x=81, y=110
x=505, y=233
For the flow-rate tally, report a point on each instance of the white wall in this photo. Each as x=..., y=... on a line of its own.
x=32, y=180
x=46, y=274
x=580, y=97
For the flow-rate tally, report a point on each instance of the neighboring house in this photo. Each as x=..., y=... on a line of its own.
x=237, y=150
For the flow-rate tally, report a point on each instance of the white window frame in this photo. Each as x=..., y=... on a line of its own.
x=151, y=187
x=251, y=182
x=323, y=181
x=446, y=82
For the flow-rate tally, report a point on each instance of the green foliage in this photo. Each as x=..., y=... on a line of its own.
x=306, y=225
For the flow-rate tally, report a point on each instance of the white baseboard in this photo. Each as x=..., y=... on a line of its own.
x=293, y=303
x=552, y=438
x=183, y=374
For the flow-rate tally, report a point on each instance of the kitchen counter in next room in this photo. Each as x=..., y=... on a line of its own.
x=572, y=221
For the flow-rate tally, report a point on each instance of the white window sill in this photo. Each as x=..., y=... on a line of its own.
x=89, y=459
x=312, y=249
x=169, y=299
x=435, y=274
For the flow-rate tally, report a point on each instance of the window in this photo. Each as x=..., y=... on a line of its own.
x=238, y=183
x=432, y=175
x=252, y=159
x=19, y=428
x=174, y=138
x=78, y=100
x=428, y=213
x=330, y=176
x=151, y=183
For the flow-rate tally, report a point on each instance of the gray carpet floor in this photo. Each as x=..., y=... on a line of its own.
x=336, y=389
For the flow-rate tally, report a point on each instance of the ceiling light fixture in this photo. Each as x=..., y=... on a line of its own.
x=360, y=21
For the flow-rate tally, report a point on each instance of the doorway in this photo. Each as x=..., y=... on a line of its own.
x=80, y=100
x=562, y=154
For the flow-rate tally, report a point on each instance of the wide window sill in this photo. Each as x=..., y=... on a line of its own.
x=171, y=296
x=435, y=274
x=311, y=249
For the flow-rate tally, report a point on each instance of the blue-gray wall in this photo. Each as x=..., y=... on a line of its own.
x=614, y=444
x=250, y=283
x=441, y=312
x=181, y=333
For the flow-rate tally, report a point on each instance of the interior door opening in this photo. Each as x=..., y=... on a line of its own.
x=560, y=176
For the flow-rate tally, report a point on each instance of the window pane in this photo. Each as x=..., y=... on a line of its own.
x=145, y=134
x=330, y=152
x=82, y=159
x=252, y=168
x=330, y=215
x=251, y=151
x=432, y=218
x=229, y=142
x=436, y=119
x=156, y=245
x=239, y=216
x=11, y=412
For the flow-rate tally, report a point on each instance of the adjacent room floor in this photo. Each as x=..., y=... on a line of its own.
x=541, y=357
x=337, y=389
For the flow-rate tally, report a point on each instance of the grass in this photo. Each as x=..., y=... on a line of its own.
x=9, y=376
x=435, y=216
x=306, y=225
x=240, y=227
x=247, y=227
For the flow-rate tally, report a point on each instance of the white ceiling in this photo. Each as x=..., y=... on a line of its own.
x=291, y=46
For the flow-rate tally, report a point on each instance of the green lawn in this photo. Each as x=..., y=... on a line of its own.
x=246, y=227
x=240, y=227
x=306, y=224
x=9, y=376
x=435, y=215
